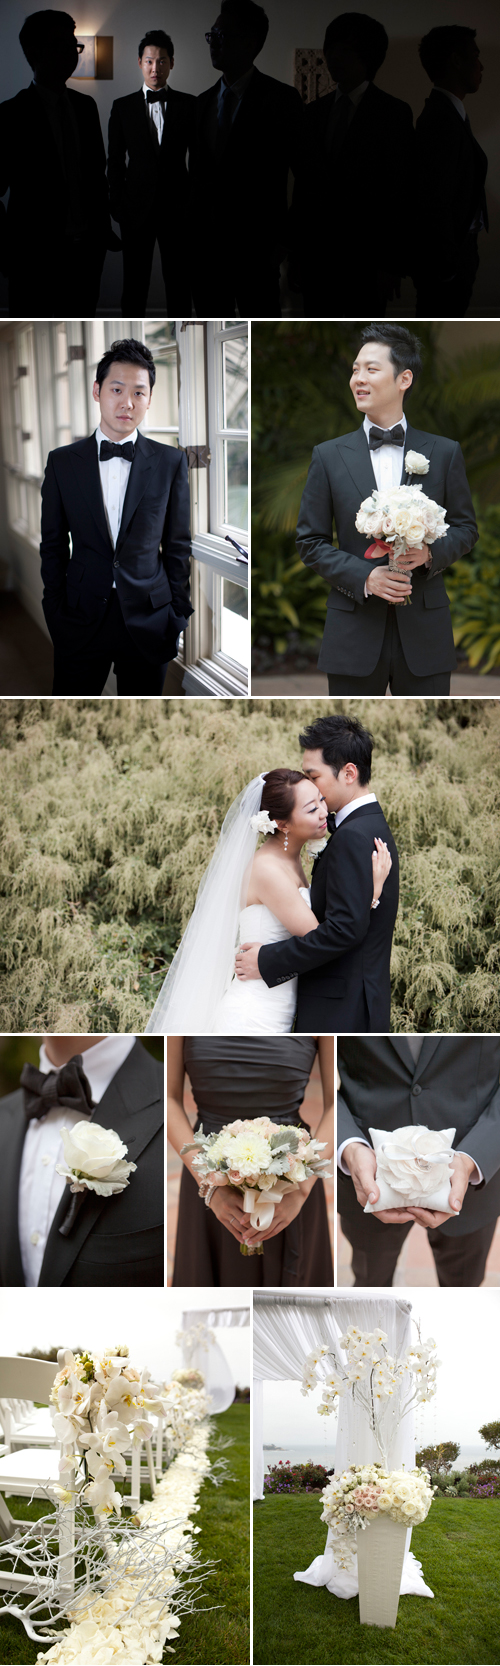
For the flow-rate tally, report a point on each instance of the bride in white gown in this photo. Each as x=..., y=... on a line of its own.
x=248, y=895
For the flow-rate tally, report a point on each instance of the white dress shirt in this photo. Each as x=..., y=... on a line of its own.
x=347, y=809
x=387, y=462
x=459, y=106
x=114, y=481
x=40, y=1187
x=155, y=111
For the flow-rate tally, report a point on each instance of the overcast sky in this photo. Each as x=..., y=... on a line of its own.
x=145, y=1319
x=465, y=1325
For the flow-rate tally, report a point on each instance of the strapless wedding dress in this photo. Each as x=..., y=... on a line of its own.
x=251, y=1008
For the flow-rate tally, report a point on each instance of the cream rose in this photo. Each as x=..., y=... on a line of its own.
x=94, y=1159
x=416, y=463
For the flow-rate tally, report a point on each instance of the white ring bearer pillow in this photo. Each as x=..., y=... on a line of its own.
x=413, y=1167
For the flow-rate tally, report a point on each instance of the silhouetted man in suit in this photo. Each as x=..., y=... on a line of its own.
x=371, y=639
x=149, y=134
x=450, y=175
x=247, y=136
x=123, y=597
x=53, y=161
x=49, y=1236
x=351, y=202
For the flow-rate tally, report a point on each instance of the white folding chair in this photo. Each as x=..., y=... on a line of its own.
x=24, y=1424
x=30, y=1472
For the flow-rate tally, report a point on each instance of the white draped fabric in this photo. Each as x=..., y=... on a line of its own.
x=286, y=1328
x=202, y=1353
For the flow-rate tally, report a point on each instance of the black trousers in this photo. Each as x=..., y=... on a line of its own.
x=224, y=285
x=138, y=250
x=437, y=298
x=391, y=670
x=340, y=293
x=85, y=671
x=376, y=1246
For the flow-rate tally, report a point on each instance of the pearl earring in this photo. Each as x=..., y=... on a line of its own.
x=285, y=847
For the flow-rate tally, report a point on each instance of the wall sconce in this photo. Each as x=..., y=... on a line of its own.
x=96, y=61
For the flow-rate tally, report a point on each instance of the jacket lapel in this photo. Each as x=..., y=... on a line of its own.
x=427, y=1050
x=355, y=454
x=130, y=1106
x=86, y=466
x=12, y=1151
x=138, y=481
x=400, y=1045
x=417, y=441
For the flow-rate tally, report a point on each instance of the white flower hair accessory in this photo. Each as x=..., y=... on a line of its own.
x=416, y=463
x=94, y=1160
x=262, y=823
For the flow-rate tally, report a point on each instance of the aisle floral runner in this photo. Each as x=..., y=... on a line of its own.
x=118, y=1627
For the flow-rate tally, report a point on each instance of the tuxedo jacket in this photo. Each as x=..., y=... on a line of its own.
x=251, y=176
x=39, y=192
x=147, y=179
x=453, y=168
x=340, y=477
x=453, y=1085
x=114, y=1240
x=150, y=565
x=327, y=195
x=347, y=957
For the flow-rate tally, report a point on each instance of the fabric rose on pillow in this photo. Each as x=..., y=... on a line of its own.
x=413, y=1167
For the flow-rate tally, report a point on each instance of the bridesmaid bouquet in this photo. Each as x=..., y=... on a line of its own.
x=256, y=1156
x=402, y=518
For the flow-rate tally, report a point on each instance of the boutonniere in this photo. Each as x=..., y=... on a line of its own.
x=94, y=1162
x=416, y=463
x=315, y=846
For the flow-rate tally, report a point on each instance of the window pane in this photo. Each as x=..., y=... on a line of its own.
x=234, y=617
x=236, y=483
x=235, y=383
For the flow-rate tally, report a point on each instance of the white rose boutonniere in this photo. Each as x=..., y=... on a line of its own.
x=416, y=463
x=94, y=1160
x=314, y=846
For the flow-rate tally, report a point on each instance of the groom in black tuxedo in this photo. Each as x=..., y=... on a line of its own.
x=439, y=1082
x=149, y=136
x=344, y=964
x=451, y=171
x=49, y=1236
x=123, y=597
x=371, y=639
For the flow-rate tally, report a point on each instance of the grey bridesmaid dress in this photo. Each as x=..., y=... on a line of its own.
x=249, y=1076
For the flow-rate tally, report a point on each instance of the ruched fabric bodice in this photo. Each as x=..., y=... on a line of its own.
x=248, y=1076
x=259, y=925
x=249, y=1007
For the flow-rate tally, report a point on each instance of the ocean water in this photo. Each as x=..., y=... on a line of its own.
x=322, y=1454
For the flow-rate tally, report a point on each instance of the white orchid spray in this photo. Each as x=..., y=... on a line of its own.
x=373, y=1377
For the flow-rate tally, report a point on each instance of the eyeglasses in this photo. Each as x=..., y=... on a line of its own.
x=215, y=35
x=80, y=47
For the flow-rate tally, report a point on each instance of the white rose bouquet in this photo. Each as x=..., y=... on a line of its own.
x=352, y=1500
x=256, y=1156
x=413, y=1166
x=402, y=518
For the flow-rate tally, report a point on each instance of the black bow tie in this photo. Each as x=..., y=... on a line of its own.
x=107, y=449
x=386, y=436
x=67, y=1088
x=331, y=822
x=157, y=98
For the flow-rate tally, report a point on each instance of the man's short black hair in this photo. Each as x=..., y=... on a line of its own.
x=156, y=37
x=126, y=352
x=439, y=45
x=405, y=349
x=252, y=18
x=342, y=740
x=368, y=37
x=43, y=29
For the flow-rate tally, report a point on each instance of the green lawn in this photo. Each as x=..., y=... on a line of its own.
x=459, y=1547
x=222, y=1636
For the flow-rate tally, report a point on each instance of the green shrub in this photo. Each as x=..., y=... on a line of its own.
x=473, y=588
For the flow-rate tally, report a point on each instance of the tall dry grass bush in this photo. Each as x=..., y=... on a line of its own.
x=110, y=812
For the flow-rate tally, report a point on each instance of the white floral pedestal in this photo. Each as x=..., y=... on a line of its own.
x=381, y=1549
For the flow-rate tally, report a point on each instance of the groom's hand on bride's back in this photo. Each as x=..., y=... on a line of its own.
x=362, y=1164
x=246, y=964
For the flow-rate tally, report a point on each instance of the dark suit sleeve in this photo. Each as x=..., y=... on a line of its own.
x=347, y=1126
x=482, y=1140
x=55, y=543
x=463, y=531
x=176, y=540
x=314, y=536
x=117, y=167
x=349, y=896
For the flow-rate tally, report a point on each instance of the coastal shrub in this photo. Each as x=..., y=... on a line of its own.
x=287, y=1477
